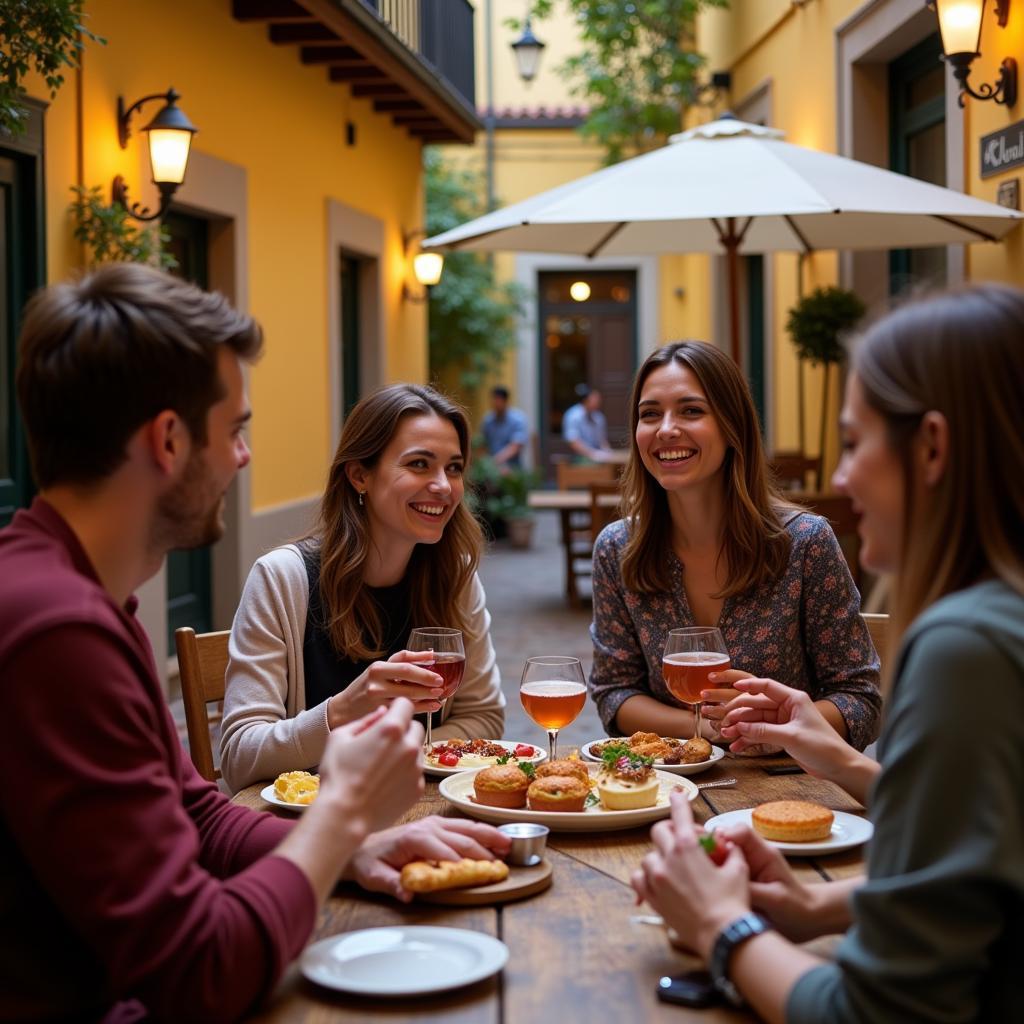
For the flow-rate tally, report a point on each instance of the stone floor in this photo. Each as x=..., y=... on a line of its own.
x=529, y=616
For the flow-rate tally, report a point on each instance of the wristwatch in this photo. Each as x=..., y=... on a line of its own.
x=731, y=936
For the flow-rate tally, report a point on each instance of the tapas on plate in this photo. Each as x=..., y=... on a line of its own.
x=680, y=757
x=447, y=757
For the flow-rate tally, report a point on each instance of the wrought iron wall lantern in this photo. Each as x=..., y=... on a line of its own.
x=426, y=268
x=170, y=138
x=960, y=23
x=528, y=50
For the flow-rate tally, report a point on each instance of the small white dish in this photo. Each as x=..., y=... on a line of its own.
x=848, y=831
x=510, y=745
x=268, y=794
x=458, y=790
x=403, y=961
x=717, y=753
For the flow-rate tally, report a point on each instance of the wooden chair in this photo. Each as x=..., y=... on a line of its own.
x=571, y=476
x=838, y=510
x=202, y=664
x=601, y=512
x=878, y=627
x=791, y=468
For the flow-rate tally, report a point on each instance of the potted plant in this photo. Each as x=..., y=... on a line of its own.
x=817, y=324
x=502, y=499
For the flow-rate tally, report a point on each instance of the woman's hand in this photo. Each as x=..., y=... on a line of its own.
x=378, y=862
x=770, y=712
x=694, y=896
x=402, y=675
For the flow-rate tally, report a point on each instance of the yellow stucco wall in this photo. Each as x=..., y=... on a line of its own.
x=259, y=108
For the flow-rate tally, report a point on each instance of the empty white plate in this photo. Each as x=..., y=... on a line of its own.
x=403, y=961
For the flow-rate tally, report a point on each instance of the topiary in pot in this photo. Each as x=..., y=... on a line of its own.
x=817, y=325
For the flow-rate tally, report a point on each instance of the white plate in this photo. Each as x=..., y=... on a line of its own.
x=268, y=794
x=717, y=753
x=458, y=790
x=848, y=831
x=403, y=961
x=509, y=745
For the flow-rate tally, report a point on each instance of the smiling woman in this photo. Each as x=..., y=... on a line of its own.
x=320, y=635
x=708, y=541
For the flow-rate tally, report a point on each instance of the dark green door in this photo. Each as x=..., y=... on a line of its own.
x=21, y=272
x=189, y=581
x=350, y=340
x=917, y=112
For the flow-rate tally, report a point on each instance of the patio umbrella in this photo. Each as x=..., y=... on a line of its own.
x=734, y=188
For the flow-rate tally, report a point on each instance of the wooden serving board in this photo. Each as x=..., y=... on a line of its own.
x=521, y=882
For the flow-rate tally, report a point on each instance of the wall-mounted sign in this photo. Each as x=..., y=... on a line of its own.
x=1002, y=150
x=1008, y=194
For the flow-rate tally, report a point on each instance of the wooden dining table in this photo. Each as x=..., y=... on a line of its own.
x=581, y=950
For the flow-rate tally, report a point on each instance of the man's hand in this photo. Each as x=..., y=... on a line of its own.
x=378, y=862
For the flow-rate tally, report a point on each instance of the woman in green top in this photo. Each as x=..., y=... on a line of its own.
x=933, y=438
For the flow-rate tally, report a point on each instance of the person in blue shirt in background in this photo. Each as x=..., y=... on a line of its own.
x=584, y=426
x=505, y=430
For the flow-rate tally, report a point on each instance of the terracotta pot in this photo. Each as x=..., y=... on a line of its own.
x=520, y=531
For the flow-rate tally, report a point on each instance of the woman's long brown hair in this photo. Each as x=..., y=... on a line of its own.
x=755, y=543
x=438, y=573
x=959, y=353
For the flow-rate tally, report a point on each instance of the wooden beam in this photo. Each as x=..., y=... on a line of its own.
x=362, y=72
x=328, y=54
x=269, y=10
x=386, y=88
x=424, y=117
x=302, y=33
x=385, y=106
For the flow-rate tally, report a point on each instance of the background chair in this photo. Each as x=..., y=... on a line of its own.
x=571, y=476
x=838, y=510
x=878, y=627
x=202, y=664
x=791, y=468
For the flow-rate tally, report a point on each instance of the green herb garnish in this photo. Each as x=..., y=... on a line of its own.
x=592, y=799
x=504, y=758
x=527, y=768
x=613, y=754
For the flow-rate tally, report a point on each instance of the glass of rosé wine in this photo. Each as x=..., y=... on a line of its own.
x=449, y=661
x=553, y=694
x=691, y=654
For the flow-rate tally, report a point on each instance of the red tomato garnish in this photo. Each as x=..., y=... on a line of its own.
x=524, y=750
x=449, y=759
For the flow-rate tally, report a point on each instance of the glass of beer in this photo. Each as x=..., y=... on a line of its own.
x=553, y=693
x=449, y=662
x=691, y=654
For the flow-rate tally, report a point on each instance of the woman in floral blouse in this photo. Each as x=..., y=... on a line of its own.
x=707, y=540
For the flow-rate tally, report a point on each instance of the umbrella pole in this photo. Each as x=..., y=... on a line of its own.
x=732, y=244
x=801, y=399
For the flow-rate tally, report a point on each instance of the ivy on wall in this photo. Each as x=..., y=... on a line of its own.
x=109, y=234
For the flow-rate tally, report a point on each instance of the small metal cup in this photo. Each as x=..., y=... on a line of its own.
x=528, y=842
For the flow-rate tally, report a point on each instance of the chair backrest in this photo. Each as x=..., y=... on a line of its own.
x=202, y=665
x=791, y=468
x=878, y=627
x=579, y=476
x=602, y=512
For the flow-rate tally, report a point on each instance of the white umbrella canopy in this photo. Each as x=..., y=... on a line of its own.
x=735, y=188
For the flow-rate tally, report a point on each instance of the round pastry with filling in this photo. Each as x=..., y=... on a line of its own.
x=792, y=821
x=564, y=766
x=558, y=793
x=504, y=785
x=626, y=783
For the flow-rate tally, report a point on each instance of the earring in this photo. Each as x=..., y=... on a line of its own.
x=361, y=493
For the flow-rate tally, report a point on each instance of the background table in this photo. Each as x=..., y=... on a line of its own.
x=577, y=955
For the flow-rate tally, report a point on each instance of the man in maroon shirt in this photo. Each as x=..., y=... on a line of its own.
x=129, y=887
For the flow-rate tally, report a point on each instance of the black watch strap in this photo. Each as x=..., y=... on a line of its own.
x=732, y=935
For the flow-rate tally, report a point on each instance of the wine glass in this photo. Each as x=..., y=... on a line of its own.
x=449, y=661
x=553, y=693
x=691, y=654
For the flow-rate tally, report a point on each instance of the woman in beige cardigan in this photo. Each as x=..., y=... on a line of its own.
x=320, y=633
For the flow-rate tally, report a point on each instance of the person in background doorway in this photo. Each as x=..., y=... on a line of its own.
x=584, y=426
x=505, y=430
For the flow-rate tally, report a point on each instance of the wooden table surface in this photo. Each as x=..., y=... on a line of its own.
x=568, y=501
x=576, y=952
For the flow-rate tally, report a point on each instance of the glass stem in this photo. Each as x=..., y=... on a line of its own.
x=552, y=745
x=696, y=720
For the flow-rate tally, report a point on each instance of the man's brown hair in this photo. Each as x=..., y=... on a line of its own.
x=100, y=356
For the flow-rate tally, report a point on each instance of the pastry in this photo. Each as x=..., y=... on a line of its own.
x=564, y=766
x=627, y=782
x=696, y=750
x=792, y=821
x=296, y=787
x=504, y=785
x=431, y=875
x=558, y=793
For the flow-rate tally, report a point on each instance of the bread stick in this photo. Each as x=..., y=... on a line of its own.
x=432, y=875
